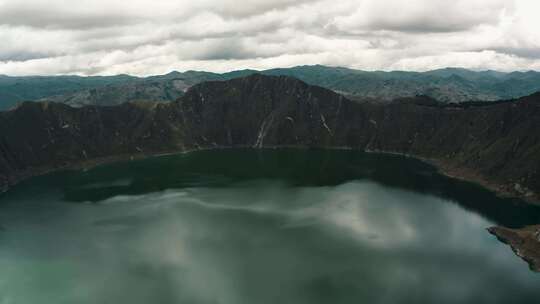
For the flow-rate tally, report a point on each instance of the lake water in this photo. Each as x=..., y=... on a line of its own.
x=269, y=226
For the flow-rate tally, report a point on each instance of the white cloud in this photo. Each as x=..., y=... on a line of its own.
x=150, y=37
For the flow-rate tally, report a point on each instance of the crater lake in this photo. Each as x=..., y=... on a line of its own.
x=260, y=226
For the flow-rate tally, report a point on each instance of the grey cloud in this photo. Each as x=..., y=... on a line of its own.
x=60, y=14
x=430, y=23
x=22, y=56
x=225, y=52
x=426, y=25
x=224, y=49
x=524, y=52
x=27, y=16
x=421, y=16
x=234, y=9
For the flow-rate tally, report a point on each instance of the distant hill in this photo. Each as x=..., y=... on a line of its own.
x=161, y=88
x=17, y=89
x=449, y=85
x=446, y=85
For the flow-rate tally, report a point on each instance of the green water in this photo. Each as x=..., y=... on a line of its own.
x=244, y=226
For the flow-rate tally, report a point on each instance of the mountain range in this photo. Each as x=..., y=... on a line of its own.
x=450, y=85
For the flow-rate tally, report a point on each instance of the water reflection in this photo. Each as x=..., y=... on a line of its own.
x=296, y=168
x=234, y=236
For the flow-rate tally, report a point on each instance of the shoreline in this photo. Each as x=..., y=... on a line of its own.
x=467, y=175
x=442, y=167
x=525, y=243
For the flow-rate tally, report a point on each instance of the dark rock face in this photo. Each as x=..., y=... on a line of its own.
x=495, y=144
x=525, y=243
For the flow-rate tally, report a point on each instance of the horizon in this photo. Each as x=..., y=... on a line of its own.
x=276, y=68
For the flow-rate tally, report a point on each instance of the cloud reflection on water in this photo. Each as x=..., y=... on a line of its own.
x=263, y=242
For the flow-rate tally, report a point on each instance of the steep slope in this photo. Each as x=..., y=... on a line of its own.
x=495, y=144
x=446, y=85
x=162, y=88
x=156, y=90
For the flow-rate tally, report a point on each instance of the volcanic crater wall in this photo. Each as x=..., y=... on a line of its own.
x=495, y=144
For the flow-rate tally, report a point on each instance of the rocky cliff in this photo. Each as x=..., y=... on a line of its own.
x=525, y=243
x=496, y=144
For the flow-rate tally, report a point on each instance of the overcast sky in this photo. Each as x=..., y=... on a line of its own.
x=143, y=37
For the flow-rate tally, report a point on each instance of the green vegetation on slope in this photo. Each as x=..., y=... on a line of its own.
x=450, y=85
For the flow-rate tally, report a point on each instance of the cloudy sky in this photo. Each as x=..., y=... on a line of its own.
x=143, y=37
